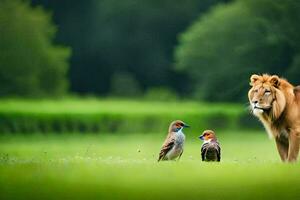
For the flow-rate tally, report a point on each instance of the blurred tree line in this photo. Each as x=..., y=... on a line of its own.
x=30, y=65
x=225, y=46
x=123, y=48
x=129, y=47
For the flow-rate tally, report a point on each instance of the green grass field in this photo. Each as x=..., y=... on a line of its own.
x=113, y=115
x=106, y=166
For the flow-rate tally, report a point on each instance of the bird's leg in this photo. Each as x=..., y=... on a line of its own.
x=179, y=156
x=282, y=144
x=294, y=144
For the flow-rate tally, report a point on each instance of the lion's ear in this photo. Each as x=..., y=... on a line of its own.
x=275, y=81
x=253, y=79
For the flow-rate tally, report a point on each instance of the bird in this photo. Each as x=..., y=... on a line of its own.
x=172, y=147
x=210, y=150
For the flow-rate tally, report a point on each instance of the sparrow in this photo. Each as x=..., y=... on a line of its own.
x=172, y=148
x=210, y=150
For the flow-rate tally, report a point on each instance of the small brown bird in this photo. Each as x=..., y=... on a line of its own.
x=210, y=150
x=173, y=146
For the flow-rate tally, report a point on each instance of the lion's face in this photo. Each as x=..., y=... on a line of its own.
x=261, y=98
x=262, y=95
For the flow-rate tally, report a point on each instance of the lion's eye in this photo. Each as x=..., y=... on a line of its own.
x=267, y=92
x=255, y=90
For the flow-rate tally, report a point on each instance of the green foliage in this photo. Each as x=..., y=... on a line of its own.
x=161, y=94
x=224, y=47
x=134, y=36
x=124, y=85
x=30, y=65
x=77, y=166
x=27, y=116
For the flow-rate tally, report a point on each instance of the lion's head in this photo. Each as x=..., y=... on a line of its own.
x=266, y=96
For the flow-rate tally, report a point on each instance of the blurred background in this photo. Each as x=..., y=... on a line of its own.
x=88, y=89
x=58, y=58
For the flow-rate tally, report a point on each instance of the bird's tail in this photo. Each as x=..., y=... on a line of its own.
x=160, y=158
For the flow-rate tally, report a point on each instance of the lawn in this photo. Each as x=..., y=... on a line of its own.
x=119, y=166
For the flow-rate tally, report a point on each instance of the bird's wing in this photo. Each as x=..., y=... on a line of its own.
x=218, y=152
x=203, y=150
x=167, y=146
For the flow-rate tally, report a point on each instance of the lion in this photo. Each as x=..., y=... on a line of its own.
x=276, y=103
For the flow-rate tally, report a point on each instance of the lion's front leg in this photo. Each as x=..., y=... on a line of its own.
x=294, y=144
x=282, y=144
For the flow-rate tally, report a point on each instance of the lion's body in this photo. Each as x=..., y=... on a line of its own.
x=277, y=104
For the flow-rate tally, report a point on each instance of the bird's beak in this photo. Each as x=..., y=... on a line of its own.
x=201, y=137
x=186, y=126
